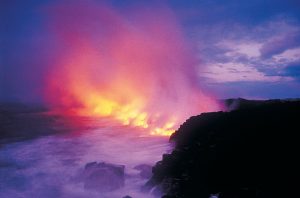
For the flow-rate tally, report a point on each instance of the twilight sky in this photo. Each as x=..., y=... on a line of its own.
x=244, y=48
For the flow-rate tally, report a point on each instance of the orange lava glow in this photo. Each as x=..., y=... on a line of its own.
x=137, y=70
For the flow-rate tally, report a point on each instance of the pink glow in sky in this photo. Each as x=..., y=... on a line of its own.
x=135, y=67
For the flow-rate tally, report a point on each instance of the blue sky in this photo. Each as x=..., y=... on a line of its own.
x=245, y=48
x=248, y=48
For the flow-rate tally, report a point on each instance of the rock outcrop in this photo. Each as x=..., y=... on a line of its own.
x=103, y=177
x=247, y=153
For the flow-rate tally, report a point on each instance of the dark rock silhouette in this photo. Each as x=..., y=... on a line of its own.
x=103, y=177
x=251, y=152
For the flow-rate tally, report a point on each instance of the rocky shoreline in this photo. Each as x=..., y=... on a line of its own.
x=251, y=152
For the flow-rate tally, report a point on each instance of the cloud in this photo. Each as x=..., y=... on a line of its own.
x=237, y=72
x=246, y=47
x=280, y=44
x=237, y=49
x=256, y=90
x=247, y=54
x=288, y=56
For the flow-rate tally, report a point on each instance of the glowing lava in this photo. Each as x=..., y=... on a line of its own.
x=135, y=68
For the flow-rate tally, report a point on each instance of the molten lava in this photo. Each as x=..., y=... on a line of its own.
x=135, y=68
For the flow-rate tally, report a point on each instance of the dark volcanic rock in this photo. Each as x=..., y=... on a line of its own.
x=247, y=153
x=103, y=177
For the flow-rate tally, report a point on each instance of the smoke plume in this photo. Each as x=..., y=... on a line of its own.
x=135, y=67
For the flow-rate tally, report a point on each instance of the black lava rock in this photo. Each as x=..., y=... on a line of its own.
x=103, y=177
x=246, y=153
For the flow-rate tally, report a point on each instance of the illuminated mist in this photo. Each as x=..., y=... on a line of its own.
x=117, y=82
x=134, y=67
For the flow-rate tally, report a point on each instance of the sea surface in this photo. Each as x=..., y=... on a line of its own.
x=48, y=166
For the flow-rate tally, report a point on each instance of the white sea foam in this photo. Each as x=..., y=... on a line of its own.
x=48, y=166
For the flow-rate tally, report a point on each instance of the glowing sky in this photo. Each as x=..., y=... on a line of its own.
x=244, y=48
x=133, y=67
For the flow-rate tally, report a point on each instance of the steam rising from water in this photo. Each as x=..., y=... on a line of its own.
x=48, y=167
x=134, y=67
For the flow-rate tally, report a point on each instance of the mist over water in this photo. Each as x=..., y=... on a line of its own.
x=93, y=58
x=49, y=166
x=132, y=66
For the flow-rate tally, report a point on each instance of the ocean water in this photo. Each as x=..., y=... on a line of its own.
x=49, y=166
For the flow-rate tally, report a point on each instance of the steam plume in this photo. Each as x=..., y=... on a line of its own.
x=136, y=67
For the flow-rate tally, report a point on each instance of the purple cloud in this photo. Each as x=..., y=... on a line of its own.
x=249, y=61
x=279, y=44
